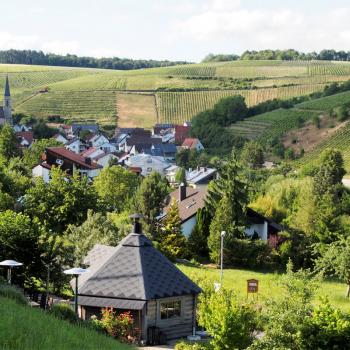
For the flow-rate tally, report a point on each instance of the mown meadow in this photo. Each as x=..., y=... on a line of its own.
x=269, y=288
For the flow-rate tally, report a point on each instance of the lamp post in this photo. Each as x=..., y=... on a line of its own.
x=10, y=264
x=76, y=272
x=222, y=235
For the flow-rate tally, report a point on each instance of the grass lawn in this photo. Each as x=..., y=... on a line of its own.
x=268, y=284
x=24, y=328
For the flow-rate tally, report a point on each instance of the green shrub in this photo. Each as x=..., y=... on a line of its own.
x=328, y=328
x=184, y=345
x=249, y=253
x=12, y=292
x=230, y=321
x=63, y=312
x=118, y=326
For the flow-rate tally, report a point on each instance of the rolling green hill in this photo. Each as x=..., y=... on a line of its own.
x=339, y=140
x=276, y=123
x=24, y=328
x=271, y=124
x=179, y=92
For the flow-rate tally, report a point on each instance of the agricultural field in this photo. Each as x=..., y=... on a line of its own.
x=181, y=91
x=326, y=103
x=136, y=109
x=88, y=105
x=339, y=140
x=271, y=125
x=236, y=279
x=179, y=107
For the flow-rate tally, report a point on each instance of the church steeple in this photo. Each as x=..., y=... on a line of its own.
x=7, y=87
x=7, y=102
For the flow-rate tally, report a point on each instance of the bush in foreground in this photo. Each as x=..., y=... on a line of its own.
x=63, y=312
x=12, y=292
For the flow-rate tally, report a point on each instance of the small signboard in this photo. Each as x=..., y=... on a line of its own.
x=252, y=286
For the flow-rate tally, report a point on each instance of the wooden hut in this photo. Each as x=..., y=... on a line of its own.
x=136, y=277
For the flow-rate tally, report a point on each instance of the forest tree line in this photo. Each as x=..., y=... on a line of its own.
x=284, y=55
x=51, y=59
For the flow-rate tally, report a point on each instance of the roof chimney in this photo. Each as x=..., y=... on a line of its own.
x=182, y=192
x=137, y=227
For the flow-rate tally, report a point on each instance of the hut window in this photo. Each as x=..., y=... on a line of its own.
x=170, y=309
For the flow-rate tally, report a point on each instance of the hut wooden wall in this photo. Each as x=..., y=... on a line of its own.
x=175, y=327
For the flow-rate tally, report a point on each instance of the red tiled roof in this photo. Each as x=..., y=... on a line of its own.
x=28, y=135
x=73, y=157
x=89, y=151
x=190, y=142
x=181, y=132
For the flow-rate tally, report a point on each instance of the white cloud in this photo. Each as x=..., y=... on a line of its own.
x=103, y=52
x=229, y=22
x=12, y=41
x=61, y=47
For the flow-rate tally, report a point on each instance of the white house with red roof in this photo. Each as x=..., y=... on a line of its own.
x=192, y=143
x=25, y=138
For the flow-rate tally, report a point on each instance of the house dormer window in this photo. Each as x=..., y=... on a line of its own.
x=170, y=309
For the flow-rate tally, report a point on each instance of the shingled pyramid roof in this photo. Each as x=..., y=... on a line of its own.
x=133, y=271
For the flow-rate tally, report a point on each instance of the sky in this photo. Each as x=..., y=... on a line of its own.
x=173, y=29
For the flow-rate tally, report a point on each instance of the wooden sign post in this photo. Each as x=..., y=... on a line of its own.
x=252, y=287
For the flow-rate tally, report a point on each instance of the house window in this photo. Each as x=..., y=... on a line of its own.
x=170, y=309
x=149, y=169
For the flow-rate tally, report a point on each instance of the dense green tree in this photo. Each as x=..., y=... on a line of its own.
x=229, y=110
x=172, y=243
x=182, y=158
x=8, y=142
x=63, y=201
x=198, y=239
x=316, y=120
x=97, y=229
x=207, y=126
x=342, y=113
x=56, y=254
x=42, y=131
x=33, y=155
x=115, y=186
x=289, y=154
x=15, y=177
x=19, y=241
x=51, y=59
x=253, y=155
x=330, y=173
x=227, y=200
x=335, y=260
x=149, y=200
x=180, y=176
